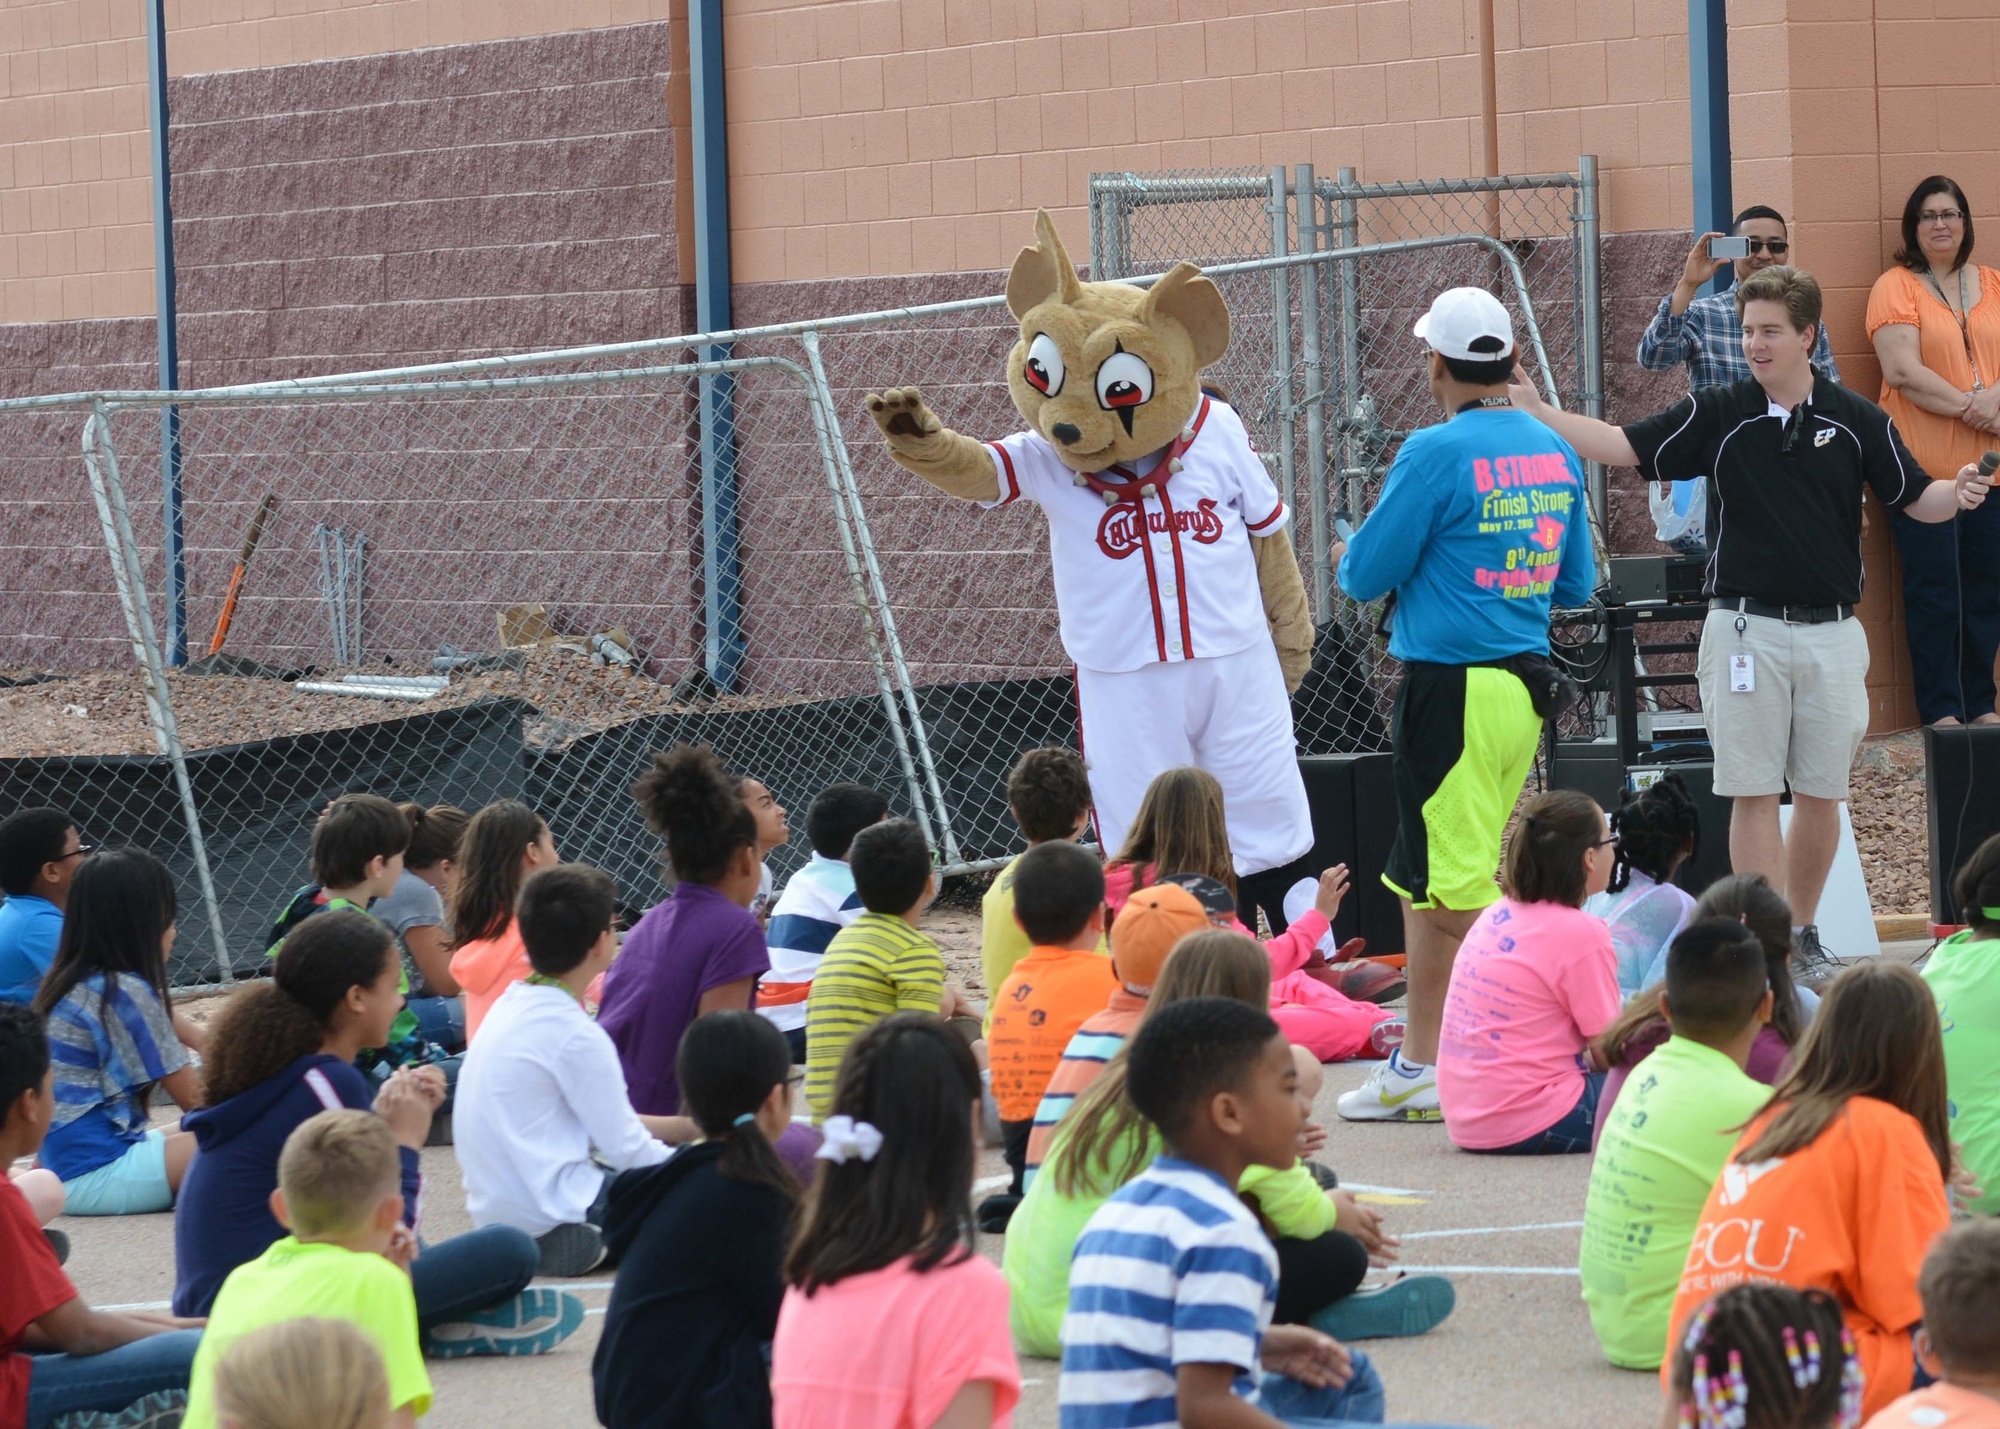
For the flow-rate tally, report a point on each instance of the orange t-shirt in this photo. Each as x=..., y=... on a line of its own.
x=1940, y=1406
x=486, y=967
x=1034, y=1014
x=1940, y=444
x=1852, y=1214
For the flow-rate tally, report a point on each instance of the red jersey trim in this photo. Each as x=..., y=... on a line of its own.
x=1013, y=492
x=1257, y=527
x=1152, y=584
x=1180, y=578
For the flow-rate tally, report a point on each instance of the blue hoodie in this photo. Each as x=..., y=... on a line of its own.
x=223, y=1216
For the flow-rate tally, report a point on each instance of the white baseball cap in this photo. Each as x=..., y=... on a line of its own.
x=1460, y=319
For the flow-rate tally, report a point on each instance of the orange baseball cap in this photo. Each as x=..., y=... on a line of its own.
x=1146, y=929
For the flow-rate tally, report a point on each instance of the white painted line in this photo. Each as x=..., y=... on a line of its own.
x=578, y=1285
x=137, y=1305
x=1494, y=1230
x=1488, y=1269
x=1363, y=1186
x=992, y=1183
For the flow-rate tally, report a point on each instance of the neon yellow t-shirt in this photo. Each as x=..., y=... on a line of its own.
x=1668, y=1135
x=295, y=1279
x=1964, y=977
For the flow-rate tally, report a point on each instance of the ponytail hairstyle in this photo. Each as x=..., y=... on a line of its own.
x=490, y=854
x=1767, y=1356
x=267, y=1026
x=1658, y=829
x=121, y=904
x=910, y=1081
x=1105, y=1141
x=1751, y=901
x=697, y=806
x=435, y=834
x=1876, y=1035
x=1976, y=889
x=1545, y=857
x=309, y=1373
x=1180, y=829
x=727, y=1065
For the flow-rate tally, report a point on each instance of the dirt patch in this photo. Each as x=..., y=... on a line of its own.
x=1891, y=823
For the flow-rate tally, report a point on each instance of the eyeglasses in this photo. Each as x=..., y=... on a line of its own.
x=1776, y=247
x=78, y=852
x=1610, y=841
x=795, y=1078
x=1933, y=217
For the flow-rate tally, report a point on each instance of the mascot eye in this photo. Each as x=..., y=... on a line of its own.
x=1124, y=381
x=1044, y=369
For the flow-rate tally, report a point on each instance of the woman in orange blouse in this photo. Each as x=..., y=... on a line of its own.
x=1935, y=321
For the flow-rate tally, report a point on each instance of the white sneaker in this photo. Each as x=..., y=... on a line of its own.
x=1394, y=1093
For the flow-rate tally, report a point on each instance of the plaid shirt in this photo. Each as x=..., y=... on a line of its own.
x=1708, y=337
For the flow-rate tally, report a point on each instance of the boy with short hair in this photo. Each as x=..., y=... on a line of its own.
x=1173, y=1282
x=819, y=900
x=542, y=1106
x=1959, y=1344
x=1048, y=793
x=1668, y=1135
x=1062, y=980
x=102, y=1361
x=347, y=1258
x=39, y=852
x=882, y=963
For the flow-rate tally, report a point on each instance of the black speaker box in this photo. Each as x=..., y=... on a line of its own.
x=1353, y=803
x=1962, y=795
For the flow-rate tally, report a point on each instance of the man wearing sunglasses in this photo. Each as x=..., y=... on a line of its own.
x=39, y=852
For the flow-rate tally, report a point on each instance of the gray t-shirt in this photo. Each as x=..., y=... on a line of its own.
x=412, y=904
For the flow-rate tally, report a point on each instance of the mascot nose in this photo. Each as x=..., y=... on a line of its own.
x=1065, y=433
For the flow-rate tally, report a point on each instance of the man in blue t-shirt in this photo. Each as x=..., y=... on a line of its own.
x=39, y=852
x=1481, y=526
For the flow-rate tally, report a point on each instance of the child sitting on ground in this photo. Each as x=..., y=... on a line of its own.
x=544, y=1122
x=772, y=833
x=1173, y=1285
x=1037, y=1008
x=1534, y=983
x=347, y=1258
x=892, y=1316
x=1658, y=829
x=504, y=843
x=1959, y=1345
x=1964, y=977
x=110, y=1023
x=85, y=1359
x=284, y=1051
x=1665, y=1141
x=414, y=911
x=819, y=900
x=1843, y=1176
x=700, y=1244
x=309, y=1373
x=881, y=965
x=1048, y=792
x=1766, y=1357
x=39, y=851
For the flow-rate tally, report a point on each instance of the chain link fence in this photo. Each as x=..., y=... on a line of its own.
x=519, y=577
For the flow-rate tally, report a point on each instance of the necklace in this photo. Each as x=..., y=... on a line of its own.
x=544, y=980
x=1961, y=316
x=1132, y=488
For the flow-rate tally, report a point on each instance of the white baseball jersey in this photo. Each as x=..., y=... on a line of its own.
x=1157, y=579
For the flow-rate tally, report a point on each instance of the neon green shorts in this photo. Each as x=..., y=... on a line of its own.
x=1463, y=740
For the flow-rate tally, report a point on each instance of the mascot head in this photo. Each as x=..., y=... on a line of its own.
x=1108, y=372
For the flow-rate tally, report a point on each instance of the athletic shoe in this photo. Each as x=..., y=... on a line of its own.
x=1386, y=1037
x=1392, y=1093
x=1412, y=1305
x=570, y=1250
x=995, y=1212
x=59, y=1243
x=1324, y=1174
x=532, y=1323
x=1362, y=980
x=163, y=1410
x=1812, y=965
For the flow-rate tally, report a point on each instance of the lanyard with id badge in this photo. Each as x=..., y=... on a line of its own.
x=1742, y=668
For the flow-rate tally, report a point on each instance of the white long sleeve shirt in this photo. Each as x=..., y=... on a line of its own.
x=539, y=1093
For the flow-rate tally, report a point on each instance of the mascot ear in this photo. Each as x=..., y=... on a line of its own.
x=1042, y=272
x=1196, y=303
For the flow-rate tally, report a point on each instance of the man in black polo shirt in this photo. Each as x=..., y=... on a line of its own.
x=1783, y=662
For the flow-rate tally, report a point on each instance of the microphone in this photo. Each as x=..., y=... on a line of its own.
x=1989, y=464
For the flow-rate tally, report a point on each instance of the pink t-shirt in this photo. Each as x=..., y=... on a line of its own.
x=890, y=1349
x=1534, y=982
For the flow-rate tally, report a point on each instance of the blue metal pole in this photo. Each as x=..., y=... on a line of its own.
x=168, y=322
x=1708, y=110
x=722, y=573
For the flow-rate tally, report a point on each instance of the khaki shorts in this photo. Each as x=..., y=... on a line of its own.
x=1803, y=723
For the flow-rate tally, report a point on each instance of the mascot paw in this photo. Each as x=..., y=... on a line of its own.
x=904, y=419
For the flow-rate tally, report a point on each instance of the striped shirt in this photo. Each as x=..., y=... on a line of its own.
x=819, y=900
x=879, y=966
x=1172, y=1270
x=1095, y=1043
x=109, y=1041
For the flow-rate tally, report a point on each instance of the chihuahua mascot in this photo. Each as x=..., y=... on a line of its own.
x=1179, y=597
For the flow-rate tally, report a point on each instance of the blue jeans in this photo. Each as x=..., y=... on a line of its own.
x=469, y=1272
x=440, y=1020
x=66, y=1384
x=1359, y=1401
x=1571, y=1134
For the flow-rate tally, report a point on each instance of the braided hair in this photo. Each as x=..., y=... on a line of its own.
x=1768, y=1356
x=1658, y=828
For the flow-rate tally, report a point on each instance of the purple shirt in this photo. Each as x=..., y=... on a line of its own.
x=694, y=941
